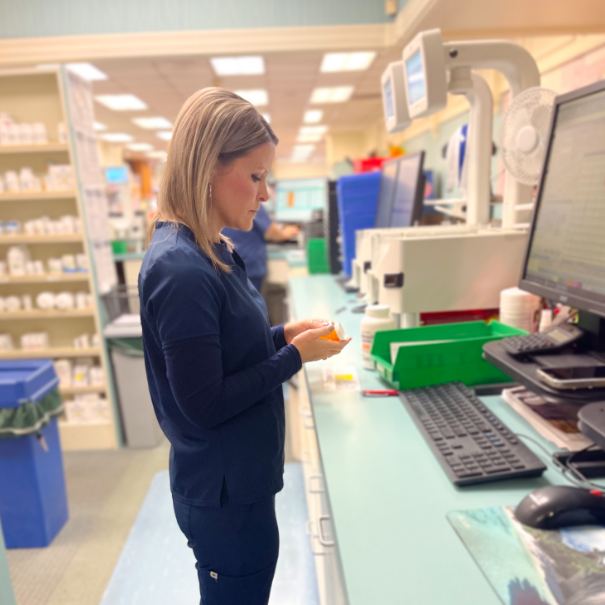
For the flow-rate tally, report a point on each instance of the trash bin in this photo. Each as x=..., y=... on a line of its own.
x=33, y=498
x=125, y=340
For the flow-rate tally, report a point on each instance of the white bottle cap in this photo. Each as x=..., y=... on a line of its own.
x=378, y=311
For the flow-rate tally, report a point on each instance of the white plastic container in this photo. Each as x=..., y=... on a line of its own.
x=16, y=259
x=376, y=319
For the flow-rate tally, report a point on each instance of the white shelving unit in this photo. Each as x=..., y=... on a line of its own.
x=52, y=96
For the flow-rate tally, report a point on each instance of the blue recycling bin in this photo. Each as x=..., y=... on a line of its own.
x=33, y=498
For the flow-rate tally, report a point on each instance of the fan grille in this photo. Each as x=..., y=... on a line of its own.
x=532, y=107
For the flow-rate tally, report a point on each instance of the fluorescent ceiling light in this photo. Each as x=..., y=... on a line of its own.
x=238, y=66
x=267, y=117
x=309, y=138
x=313, y=116
x=336, y=94
x=116, y=137
x=98, y=126
x=257, y=96
x=357, y=61
x=121, y=102
x=87, y=71
x=320, y=129
x=165, y=135
x=158, y=155
x=152, y=123
x=302, y=151
x=140, y=146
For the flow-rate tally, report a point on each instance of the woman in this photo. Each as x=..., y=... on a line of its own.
x=214, y=365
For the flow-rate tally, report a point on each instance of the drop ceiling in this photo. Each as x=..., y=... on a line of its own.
x=164, y=84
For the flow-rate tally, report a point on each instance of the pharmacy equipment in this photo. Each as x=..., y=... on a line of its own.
x=394, y=98
x=445, y=271
x=427, y=63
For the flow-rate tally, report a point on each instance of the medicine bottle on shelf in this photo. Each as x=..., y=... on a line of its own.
x=376, y=319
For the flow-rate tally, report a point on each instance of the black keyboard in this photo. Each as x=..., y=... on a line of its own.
x=472, y=445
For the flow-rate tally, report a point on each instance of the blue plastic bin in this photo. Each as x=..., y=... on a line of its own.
x=27, y=380
x=357, y=200
x=33, y=498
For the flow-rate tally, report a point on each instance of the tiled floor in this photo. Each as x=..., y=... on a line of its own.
x=156, y=567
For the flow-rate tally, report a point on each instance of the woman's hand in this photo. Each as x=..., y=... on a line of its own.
x=292, y=330
x=311, y=347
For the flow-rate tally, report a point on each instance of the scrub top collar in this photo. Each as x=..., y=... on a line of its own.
x=221, y=248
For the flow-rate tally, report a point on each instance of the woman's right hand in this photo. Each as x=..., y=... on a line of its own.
x=312, y=348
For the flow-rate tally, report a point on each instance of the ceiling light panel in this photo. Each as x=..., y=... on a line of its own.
x=116, y=137
x=258, y=97
x=336, y=94
x=121, y=102
x=98, y=126
x=155, y=123
x=157, y=155
x=238, y=66
x=140, y=147
x=164, y=135
x=320, y=129
x=309, y=138
x=313, y=116
x=357, y=61
x=87, y=71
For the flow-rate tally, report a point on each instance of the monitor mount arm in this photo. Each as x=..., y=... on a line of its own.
x=520, y=70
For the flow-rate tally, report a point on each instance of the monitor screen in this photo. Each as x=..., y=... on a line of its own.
x=387, y=93
x=388, y=180
x=296, y=199
x=566, y=253
x=409, y=191
x=415, y=77
x=116, y=174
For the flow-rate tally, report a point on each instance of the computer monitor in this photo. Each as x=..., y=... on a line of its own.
x=565, y=257
x=409, y=191
x=296, y=199
x=386, y=196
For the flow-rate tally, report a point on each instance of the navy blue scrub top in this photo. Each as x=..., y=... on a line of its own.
x=215, y=370
x=251, y=245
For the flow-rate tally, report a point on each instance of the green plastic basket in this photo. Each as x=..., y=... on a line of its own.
x=317, y=257
x=455, y=355
x=119, y=246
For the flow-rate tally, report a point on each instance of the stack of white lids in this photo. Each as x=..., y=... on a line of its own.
x=519, y=309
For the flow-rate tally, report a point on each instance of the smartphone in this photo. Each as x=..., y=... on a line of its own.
x=579, y=377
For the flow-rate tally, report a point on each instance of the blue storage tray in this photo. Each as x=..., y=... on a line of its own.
x=26, y=380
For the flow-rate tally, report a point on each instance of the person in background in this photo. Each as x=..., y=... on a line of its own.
x=252, y=245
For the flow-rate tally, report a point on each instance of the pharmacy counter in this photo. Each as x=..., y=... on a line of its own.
x=377, y=496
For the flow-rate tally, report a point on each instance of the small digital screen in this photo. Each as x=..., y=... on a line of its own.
x=387, y=92
x=558, y=335
x=117, y=174
x=415, y=77
x=576, y=373
x=296, y=199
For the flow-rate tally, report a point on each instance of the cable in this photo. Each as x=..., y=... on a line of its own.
x=577, y=478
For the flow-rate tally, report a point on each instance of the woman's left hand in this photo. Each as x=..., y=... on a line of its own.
x=292, y=330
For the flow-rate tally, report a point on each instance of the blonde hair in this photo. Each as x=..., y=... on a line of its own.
x=214, y=126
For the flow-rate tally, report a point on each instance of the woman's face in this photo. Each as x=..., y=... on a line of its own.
x=239, y=188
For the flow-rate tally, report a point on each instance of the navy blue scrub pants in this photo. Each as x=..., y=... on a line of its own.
x=236, y=548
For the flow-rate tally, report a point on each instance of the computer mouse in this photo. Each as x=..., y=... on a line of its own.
x=559, y=506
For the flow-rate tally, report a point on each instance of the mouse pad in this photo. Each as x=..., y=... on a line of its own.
x=528, y=566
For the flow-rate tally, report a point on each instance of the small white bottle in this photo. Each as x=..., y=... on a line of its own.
x=376, y=319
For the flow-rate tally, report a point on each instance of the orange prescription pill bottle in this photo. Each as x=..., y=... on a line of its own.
x=337, y=334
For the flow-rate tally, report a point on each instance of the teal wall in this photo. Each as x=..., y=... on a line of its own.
x=34, y=18
x=432, y=146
